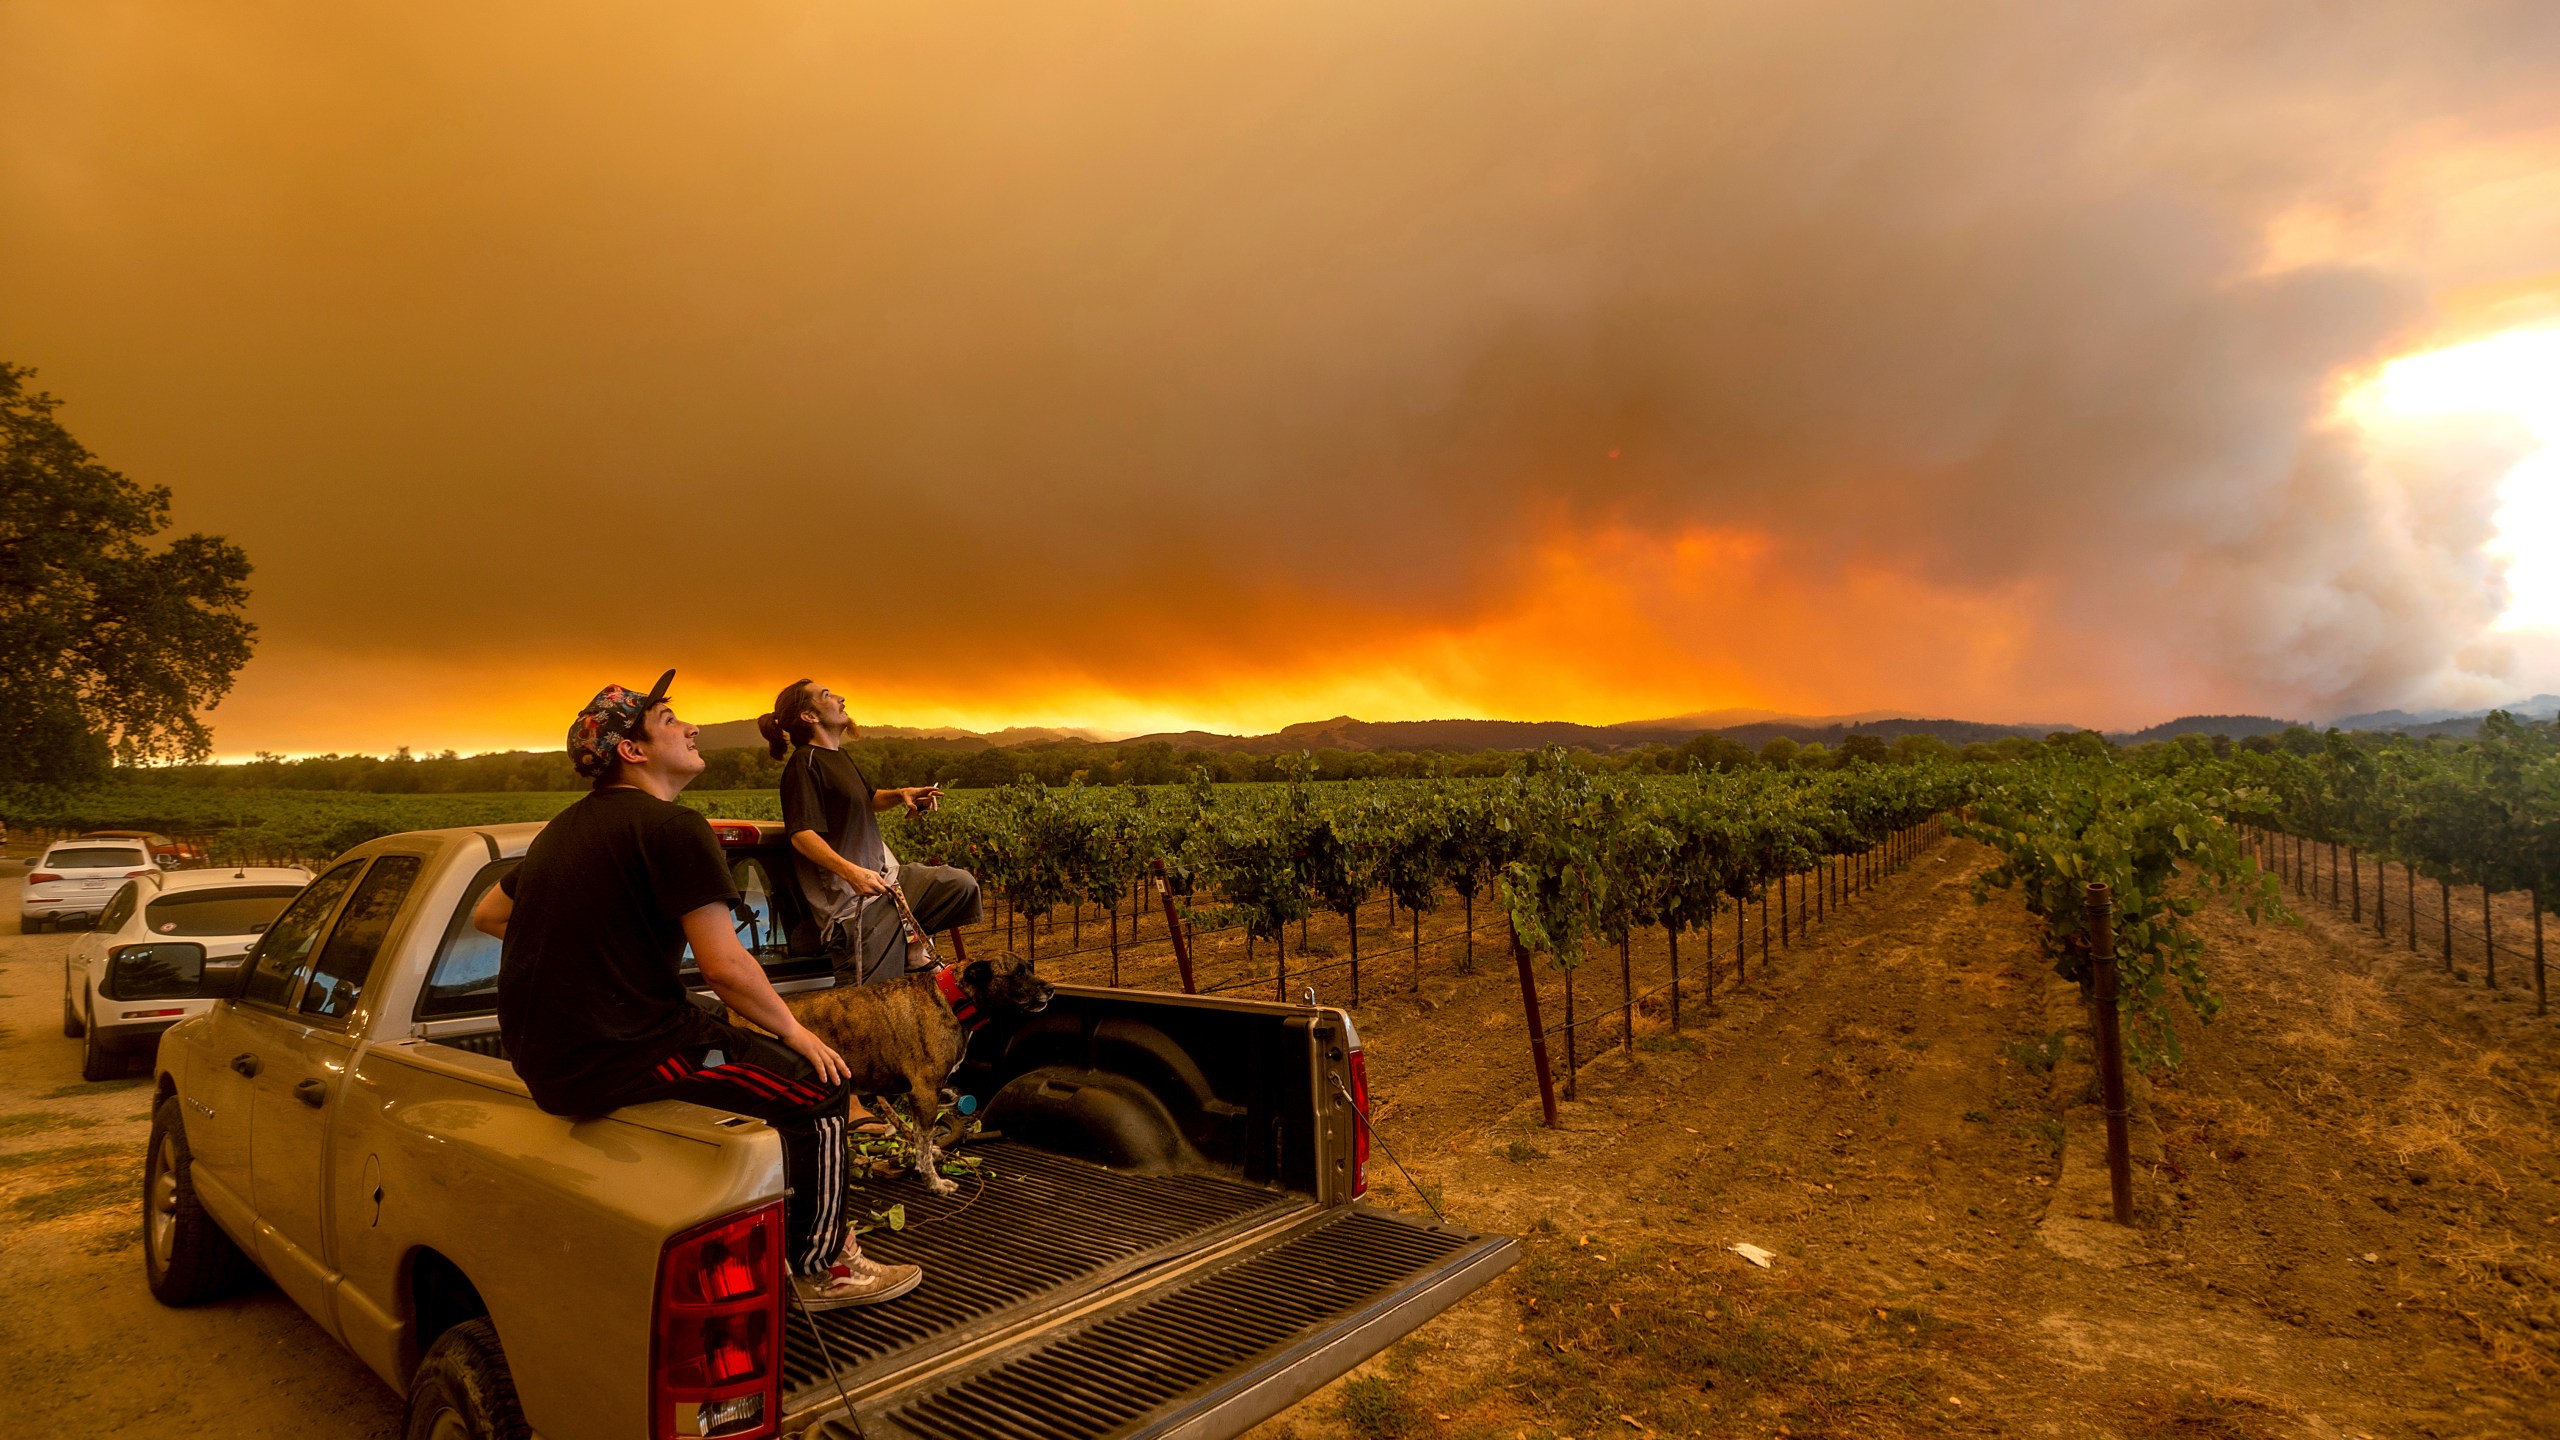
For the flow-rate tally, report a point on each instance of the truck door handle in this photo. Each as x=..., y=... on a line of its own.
x=314, y=1093
x=246, y=1065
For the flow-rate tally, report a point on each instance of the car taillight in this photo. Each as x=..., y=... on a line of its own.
x=1360, y=1142
x=715, y=1352
x=42, y=877
x=138, y=874
x=736, y=834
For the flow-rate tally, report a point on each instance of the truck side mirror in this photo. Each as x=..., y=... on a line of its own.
x=157, y=970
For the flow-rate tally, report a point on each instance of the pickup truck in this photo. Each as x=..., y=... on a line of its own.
x=1165, y=1234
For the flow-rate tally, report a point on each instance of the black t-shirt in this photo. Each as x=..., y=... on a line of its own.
x=590, y=998
x=823, y=790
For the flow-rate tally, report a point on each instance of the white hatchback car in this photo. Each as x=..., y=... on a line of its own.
x=74, y=880
x=165, y=948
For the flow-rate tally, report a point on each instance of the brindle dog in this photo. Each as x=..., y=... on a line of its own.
x=906, y=1036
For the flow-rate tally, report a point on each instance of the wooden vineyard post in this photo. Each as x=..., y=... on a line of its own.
x=2355, y=887
x=2444, y=908
x=2382, y=900
x=1741, y=943
x=2102, y=970
x=1764, y=929
x=1115, y=942
x=2409, y=893
x=1355, y=963
x=1627, y=983
x=1279, y=965
x=2488, y=937
x=1673, y=931
x=1783, y=942
x=1417, y=951
x=1537, y=1030
x=1572, y=1055
x=1711, y=960
x=1173, y=927
x=1821, y=891
x=2541, y=1001
x=2333, y=874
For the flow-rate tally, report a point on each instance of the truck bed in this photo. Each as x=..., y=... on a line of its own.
x=1064, y=1301
x=1029, y=1237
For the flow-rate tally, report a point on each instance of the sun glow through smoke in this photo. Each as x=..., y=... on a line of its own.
x=2513, y=378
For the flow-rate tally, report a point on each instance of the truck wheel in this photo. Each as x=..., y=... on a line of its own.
x=185, y=1256
x=464, y=1390
x=71, y=1026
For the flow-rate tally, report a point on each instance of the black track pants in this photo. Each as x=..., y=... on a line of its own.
x=747, y=1073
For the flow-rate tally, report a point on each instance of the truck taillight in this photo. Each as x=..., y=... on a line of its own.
x=715, y=1353
x=1360, y=1141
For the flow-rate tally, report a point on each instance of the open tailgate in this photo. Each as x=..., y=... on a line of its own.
x=1204, y=1351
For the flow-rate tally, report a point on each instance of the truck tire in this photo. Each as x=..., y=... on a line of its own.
x=97, y=1062
x=71, y=1026
x=464, y=1390
x=185, y=1256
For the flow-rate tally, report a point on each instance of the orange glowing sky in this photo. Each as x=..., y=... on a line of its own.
x=1142, y=367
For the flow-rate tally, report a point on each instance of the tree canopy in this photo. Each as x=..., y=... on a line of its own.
x=111, y=640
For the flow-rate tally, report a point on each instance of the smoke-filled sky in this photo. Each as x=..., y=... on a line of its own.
x=1140, y=365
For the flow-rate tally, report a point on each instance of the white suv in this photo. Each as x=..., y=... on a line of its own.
x=74, y=880
x=166, y=947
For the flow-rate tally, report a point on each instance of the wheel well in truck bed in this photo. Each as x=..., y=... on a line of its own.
x=440, y=1297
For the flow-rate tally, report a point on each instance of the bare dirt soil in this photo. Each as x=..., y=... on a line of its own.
x=2349, y=1213
x=84, y=1349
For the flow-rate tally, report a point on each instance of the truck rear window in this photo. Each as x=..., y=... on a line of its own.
x=245, y=911
x=464, y=979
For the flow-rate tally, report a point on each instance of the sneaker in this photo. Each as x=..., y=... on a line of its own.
x=861, y=1283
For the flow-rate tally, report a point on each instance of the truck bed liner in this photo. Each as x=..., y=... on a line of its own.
x=1038, y=1231
x=1208, y=1354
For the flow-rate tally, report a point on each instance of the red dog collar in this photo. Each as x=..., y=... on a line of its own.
x=964, y=1006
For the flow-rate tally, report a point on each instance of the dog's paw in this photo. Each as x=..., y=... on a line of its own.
x=939, y=1186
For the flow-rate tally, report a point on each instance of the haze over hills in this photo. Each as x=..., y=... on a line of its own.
x=1752, y=728
x=730, y=734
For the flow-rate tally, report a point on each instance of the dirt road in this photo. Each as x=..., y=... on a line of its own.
x=84, y=1349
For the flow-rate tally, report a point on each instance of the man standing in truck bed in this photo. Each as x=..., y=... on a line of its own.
x=591, y=999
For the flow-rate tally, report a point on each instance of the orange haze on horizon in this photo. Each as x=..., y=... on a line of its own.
x=1139, y=368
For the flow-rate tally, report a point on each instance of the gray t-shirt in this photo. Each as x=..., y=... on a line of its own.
x=825, y=793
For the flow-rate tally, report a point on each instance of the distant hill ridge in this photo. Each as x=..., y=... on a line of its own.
x=1752, y=728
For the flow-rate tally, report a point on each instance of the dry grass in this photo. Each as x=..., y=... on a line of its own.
x=2429, y=1129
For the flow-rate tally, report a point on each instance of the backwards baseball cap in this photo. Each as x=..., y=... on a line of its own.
x=616, y=714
